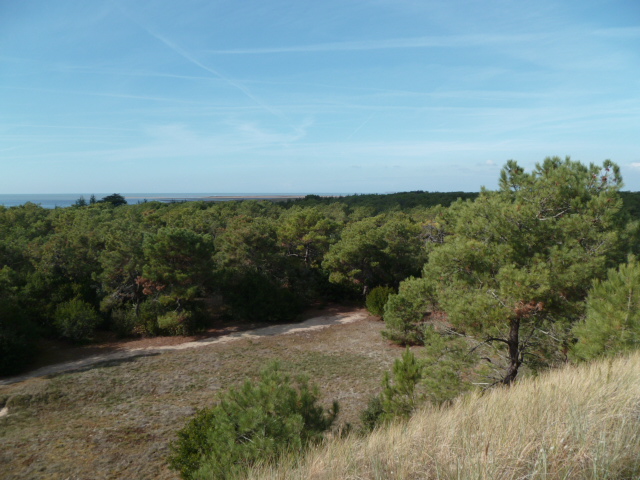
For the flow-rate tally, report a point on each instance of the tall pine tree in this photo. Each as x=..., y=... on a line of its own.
x=514, y=274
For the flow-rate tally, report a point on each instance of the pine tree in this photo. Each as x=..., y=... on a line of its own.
x=515, y=271
x=401, y=397
x=612, y=323
x=257, y=422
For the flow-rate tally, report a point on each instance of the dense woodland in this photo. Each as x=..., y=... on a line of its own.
x=176, y=268
x=533, y=247
x=537, y=273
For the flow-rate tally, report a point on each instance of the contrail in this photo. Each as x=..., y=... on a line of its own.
x=360, y=126
x=180, y=51
x=450, y=41
x=187, y=56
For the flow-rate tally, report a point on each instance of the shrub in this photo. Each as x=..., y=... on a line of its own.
x=256, y=422
x=76, y=320
x=612, y=323
x=254, y=297
x=404, y=313
x=176, y=323
x=377, y=299
x=403, y=321
x=124, y=322
x=437, y=378
x=371, y=417
x=17, y=338
x=147, y=319
x=399, y=396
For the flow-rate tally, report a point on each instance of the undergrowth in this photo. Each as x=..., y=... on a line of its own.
x=574, y=423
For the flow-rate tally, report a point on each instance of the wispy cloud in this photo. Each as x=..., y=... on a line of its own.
x=103, y=94
x=127, y=73
x=451, y=41
x=619, y=32
x=195, y=61
x=359, y=127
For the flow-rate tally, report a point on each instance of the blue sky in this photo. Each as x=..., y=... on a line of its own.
x=311, y=97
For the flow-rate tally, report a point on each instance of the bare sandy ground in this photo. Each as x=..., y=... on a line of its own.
x=314, y=323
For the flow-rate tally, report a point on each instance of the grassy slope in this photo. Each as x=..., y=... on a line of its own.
x=116, y=420
x=573, y=423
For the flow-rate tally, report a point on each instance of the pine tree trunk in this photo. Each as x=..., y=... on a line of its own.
x=514, y=352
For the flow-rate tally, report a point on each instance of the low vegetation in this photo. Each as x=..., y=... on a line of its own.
x=256, y=422
x=576, y=422
x=117, y=419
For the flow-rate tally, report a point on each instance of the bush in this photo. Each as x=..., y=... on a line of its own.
x=17, y=338
x=612, y=323
x=404, y=313
x=377, y=299
x=254, y=297
x=437, y=378
x=76, y=320
x=256, y=422
x=176, y=323
x=371, y=417
x=124, y=322
x=403, y=322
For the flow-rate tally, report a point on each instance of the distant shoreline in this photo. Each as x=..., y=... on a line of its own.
x=62, y=200
x=221, y=197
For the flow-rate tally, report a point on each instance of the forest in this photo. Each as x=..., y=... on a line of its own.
x=175, y=268
x=491, y=285
x=533, y=247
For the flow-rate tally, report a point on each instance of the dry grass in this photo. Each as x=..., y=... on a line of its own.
x=574, y=423
x=115, y=420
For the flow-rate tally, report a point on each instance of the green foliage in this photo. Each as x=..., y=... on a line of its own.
x=250, y=244
x=517, y=266
x=77, y=320
x=257, y=422
x=146, y=322
x=307, y=233
x=448, y=363
x=176, y=323
x=124, y=321
x=371, y=417
x=379, y=203
x=400, y=397
x=435, y=377
x=406, y=312
x=179, y=262
x=255, y=297
x=530, y=249
x=612, y=323
x=114, y=199
x=377, y=299
x=401, y=392
x=17, y=338
x=381, y=250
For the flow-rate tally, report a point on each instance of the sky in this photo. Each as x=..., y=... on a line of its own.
x=331, y=96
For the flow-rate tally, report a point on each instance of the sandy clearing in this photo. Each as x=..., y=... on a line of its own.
x=310, y=324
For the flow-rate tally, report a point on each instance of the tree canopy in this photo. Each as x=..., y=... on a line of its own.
x=517, y=266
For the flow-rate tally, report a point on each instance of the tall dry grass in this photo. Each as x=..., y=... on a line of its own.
x=573, y=423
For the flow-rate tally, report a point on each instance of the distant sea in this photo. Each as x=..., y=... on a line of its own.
x=68, y=199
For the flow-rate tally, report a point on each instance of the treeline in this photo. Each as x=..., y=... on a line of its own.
x=157, y=268
x=377, y=203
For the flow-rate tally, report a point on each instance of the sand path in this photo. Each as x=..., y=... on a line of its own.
x=314, y=323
